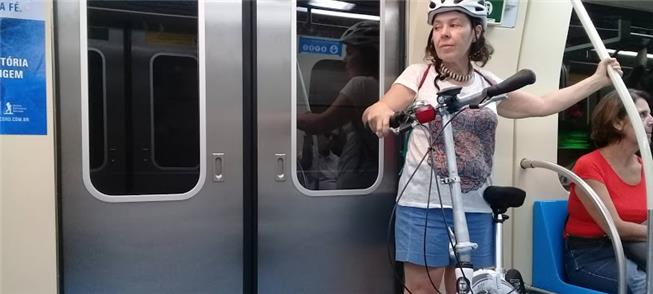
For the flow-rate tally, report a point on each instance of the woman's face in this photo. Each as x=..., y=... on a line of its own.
x=353, y=60
x=647, y=120
x=453, y=35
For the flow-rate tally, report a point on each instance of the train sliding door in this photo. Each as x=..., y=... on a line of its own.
x=326, y=183
x=185, y=164
x=150, y=105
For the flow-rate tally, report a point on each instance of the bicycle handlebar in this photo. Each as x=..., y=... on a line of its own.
x=518, y=80
x=420, y=112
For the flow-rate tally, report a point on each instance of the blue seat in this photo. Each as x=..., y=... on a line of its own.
x=548, y=267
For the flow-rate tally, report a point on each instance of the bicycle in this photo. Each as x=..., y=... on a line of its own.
x=449, y=105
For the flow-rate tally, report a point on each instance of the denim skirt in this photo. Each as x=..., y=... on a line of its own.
x=410, y=229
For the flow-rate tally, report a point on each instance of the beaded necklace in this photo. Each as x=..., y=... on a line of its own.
x=456, y=76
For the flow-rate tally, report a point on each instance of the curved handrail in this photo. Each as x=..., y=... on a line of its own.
x=642, y=139
x=607, y=217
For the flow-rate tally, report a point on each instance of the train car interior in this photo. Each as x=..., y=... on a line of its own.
x=628, y=34
x=218, y=146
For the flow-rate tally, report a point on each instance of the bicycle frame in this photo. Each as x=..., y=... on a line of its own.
x=463, y=245
x=449, y=103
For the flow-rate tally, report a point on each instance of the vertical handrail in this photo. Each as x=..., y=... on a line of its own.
x=603, y=210
x=642, y=139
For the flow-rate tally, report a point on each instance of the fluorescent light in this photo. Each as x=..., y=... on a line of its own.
x=628, y=53
x=332, y=4
x=346, y=14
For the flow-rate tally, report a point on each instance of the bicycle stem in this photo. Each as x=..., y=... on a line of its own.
x=498, y=252
x=463, y=248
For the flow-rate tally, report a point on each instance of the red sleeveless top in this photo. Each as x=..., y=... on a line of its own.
x=629, y=200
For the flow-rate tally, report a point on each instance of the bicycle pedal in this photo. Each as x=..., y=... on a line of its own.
x=513, y=277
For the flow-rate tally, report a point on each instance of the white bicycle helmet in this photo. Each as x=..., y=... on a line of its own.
x=473, y=8
x=364, y=33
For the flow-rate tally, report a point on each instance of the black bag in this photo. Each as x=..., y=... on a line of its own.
x=636, y=251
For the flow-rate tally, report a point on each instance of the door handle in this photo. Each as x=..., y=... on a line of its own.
x=218, y=163
x=280, y=161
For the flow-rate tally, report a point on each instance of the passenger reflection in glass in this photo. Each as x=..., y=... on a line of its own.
x=357, y=165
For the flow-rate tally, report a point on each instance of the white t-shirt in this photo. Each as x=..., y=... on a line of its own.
x=474, y=136
x=359, y=160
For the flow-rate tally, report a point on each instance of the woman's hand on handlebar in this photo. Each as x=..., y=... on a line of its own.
x=377, y=118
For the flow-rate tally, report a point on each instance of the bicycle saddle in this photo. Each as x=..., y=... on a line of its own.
x=502, y=198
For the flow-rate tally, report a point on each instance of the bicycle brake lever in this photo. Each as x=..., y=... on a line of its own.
x=491, y=100
x=403, y=127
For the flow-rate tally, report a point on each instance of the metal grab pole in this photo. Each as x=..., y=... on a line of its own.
x=633, y=115
x=607, y=217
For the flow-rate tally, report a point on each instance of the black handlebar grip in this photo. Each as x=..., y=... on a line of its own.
x=521, y=78
x=398, y=119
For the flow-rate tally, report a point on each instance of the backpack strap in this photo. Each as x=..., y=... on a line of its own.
x=426, y=72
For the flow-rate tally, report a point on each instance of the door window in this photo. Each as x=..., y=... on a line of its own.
x=143, y=99
x=337, y=78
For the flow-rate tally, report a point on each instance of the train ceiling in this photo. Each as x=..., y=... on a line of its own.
x=620, y=25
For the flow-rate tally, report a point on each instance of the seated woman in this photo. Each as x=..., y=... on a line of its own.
x=615, y=172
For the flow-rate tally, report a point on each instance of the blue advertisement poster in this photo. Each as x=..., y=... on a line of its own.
x=22, y=68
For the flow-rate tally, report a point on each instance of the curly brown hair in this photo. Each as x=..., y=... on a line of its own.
x=479, y=52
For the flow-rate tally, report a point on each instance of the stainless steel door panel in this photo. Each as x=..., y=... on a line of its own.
x=187, y=246
x=131, y=244
x=311, y=244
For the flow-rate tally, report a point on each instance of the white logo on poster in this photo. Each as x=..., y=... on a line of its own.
x=489, y=7
x=9, y=109
x=333, y=49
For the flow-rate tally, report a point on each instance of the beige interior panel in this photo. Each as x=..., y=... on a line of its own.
x=27, y=201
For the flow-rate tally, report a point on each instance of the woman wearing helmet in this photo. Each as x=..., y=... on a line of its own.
x=358, y=162
x=455, y=53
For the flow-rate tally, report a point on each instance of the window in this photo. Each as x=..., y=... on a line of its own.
x=337, y=79
x=96, y=108
x=624, y=31
x=175, y=115
x=143, y=113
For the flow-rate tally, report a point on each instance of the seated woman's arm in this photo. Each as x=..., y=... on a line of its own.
x=627, y=230
x=341, y=111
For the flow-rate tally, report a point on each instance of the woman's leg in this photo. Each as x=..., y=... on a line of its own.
x=417, y=278
x=450, y=280
x=596, y=268
x=635, y=278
